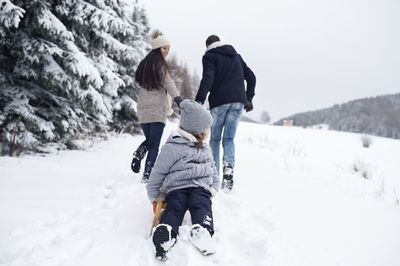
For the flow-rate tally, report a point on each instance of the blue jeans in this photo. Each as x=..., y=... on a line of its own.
x=225, y=117
x=153, y=133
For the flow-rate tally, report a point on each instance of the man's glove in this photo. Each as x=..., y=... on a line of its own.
x=178, y=100
x=249, y=106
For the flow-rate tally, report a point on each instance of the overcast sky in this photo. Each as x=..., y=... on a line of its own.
x=306, y=54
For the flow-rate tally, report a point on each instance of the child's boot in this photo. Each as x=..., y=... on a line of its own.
x=202, y=240
x=163, y=238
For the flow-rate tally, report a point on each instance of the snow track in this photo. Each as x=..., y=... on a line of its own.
x=113, y=229
x=290, y=205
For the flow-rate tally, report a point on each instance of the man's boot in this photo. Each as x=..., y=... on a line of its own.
x=227, y=180
x=138, y=155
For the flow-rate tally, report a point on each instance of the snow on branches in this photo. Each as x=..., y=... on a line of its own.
x=10, y=15
x=67, y=68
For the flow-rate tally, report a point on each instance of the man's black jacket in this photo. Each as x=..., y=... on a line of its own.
x=224, y=72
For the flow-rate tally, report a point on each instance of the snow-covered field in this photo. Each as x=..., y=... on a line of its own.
x=302, y=197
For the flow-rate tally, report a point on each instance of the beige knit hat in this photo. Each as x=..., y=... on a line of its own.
x=158, y=40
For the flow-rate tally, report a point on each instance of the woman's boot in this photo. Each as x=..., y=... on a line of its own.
x=147, y=172
x=138, y=155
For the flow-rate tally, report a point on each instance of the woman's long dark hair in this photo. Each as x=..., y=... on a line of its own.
x=151, y=70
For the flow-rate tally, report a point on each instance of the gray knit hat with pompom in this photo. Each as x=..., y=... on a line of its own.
x=194, y=117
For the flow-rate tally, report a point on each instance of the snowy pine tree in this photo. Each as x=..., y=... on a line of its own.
x=67, y=69
x=10, y=16
x=187, y=86
x=186, y=83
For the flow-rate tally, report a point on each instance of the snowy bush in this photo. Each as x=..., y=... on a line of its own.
x=296, y=149
x=261, y=141
x=16, y=137
x=366, y=141
x=362, y=168
x=380, y=188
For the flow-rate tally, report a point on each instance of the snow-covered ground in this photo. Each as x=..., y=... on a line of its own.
x=301, y=197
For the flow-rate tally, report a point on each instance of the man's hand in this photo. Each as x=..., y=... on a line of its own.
x=249, y=106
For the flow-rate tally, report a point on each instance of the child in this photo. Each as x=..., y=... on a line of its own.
x=186, y=172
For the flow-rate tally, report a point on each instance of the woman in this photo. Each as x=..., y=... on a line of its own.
x=153, y=105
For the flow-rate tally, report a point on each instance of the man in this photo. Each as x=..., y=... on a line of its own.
x=224, y=72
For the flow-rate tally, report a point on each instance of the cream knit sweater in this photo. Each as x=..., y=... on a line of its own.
x=153, y=105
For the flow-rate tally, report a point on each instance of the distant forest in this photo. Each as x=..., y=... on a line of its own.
x=378, y=116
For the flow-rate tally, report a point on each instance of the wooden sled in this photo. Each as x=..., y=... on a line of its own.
x=161, y=205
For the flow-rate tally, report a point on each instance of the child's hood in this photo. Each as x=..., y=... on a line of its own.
x=182, y=137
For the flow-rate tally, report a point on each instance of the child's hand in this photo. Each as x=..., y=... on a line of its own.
x=154, y=206
x=213, y=191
